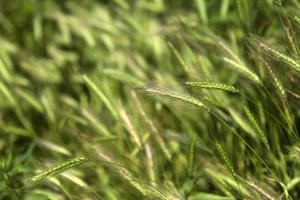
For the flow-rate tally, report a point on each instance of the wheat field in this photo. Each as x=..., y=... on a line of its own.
x=149, y=99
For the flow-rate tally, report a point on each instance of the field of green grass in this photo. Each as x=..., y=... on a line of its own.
x=149, y=99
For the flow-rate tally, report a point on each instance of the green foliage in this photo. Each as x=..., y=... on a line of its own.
x=74, y=83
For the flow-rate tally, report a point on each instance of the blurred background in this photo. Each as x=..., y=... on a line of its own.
x=72, y=81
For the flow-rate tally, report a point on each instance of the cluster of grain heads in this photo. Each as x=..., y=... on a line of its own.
x=66, y=71
x=292, y=63
x=279, y=85
x=190, y=99
x=282, y=95
x=234, y=61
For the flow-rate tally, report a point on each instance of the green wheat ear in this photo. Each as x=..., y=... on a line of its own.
x=279, y=86
x=257, y=128
x=280, y=56
x=213, y=85
x=226, y=159
x=243, y=69
x=228, y=163
x=57, y=170
x=162, y=91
